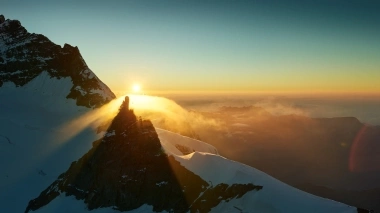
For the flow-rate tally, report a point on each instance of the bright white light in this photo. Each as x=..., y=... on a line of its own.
x=136, y=88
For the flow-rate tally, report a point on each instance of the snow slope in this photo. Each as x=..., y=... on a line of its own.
x=68, y=204
x=34, y=146
x=275, y=196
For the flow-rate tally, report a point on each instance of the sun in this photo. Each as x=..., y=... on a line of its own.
x=136, y=88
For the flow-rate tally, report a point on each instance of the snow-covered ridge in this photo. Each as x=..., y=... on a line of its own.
x=174, y=143
x=33, y=147
x=24, y=56
x=275, y=196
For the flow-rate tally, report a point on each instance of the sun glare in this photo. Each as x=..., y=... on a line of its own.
x=136, y=88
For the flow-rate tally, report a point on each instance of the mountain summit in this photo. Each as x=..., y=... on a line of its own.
x=128, y=168
x=25, y=56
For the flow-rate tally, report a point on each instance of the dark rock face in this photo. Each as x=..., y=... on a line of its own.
x=2, y=19
x=24, y=56
x=360, y=210
x=128, y=168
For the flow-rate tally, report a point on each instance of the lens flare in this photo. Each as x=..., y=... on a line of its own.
x=364, y=156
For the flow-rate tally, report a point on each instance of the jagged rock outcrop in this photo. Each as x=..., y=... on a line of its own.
x=128, y=168
x=24, y=56
x=2, y=19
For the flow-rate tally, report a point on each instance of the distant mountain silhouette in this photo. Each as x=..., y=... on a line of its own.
x=340, y=154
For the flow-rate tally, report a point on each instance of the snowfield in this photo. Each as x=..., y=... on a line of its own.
x=31, y=117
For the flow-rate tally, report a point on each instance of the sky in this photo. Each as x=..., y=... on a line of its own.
x=298, y=46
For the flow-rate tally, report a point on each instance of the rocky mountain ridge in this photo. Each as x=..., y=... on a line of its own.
x=127, y=168
x=24, y=56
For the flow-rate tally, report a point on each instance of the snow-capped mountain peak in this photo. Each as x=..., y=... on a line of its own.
x=24, y=56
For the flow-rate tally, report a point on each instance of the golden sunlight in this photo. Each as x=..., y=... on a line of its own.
x=136, y=88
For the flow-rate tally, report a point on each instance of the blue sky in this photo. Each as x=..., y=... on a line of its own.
x=316, y=46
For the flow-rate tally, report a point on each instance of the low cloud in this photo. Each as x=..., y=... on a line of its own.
x=278, y=107
x=166, y=113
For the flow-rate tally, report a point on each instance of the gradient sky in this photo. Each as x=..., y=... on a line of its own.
x=210, y=45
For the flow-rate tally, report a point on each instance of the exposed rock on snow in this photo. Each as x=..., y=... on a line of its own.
x=2, y=19
x=24, y=56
